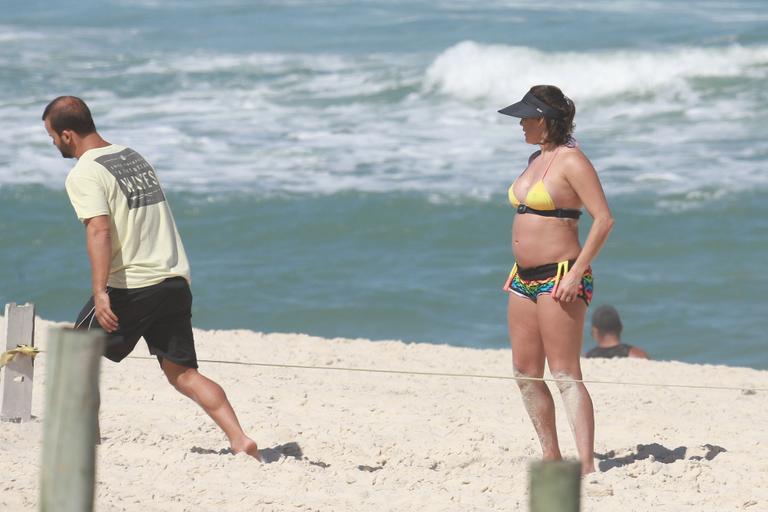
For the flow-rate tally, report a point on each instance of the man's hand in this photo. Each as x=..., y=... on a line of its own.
x=103, y=311
x=99, y=242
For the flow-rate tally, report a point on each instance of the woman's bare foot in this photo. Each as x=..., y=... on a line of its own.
x=587, y=468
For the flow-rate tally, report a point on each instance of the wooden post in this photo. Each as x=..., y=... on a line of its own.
x=555, y=486
x=71, y=390
x=17, y=383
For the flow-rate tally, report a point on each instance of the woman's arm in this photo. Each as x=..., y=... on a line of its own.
x=582, y=177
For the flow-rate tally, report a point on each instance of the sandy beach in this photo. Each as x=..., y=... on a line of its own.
x=352, y=441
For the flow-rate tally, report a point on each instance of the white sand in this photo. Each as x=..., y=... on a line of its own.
x=428, y=443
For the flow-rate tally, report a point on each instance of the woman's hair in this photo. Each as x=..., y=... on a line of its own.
x=558, y=130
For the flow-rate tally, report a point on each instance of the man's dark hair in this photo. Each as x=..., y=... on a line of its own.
x=558, y=130
x=69, y=113
x=606, y=320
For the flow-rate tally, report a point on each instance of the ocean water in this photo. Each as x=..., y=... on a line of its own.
x=338, y=167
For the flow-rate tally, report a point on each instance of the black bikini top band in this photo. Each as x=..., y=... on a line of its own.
x=560, y=213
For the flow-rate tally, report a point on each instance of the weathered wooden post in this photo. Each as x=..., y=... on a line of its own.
x=71, y=390
x=555, y=486
x=19, y=372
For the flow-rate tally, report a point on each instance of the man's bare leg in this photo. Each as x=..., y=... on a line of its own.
x=211, y=397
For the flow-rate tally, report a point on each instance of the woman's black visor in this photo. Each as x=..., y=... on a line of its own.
x=531, y=106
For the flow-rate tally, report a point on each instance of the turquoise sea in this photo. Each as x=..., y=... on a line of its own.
x=338, y=167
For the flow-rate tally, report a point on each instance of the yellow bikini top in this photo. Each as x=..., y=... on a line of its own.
x=537, y=198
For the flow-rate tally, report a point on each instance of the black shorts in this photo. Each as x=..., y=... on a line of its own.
x=161, y=314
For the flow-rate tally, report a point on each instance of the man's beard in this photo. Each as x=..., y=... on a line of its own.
x=66, y=151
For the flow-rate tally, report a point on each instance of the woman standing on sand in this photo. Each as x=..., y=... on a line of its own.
x=551, y=282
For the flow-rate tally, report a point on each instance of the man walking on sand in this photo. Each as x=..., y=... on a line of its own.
x=139, y=270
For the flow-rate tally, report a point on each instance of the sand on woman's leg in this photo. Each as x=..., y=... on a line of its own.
x=581, y=418
x=540, y=406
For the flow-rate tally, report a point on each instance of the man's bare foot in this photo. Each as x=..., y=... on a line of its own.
x=247, y=446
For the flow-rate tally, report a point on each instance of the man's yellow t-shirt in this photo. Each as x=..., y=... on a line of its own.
x=117, y=181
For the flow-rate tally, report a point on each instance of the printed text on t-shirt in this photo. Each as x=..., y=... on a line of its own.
x=135, y=176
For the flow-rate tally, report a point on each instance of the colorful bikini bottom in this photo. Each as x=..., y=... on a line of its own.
x=532, y=282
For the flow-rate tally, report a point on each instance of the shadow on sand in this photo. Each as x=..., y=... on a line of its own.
x=274, y=454
x=268, y=455
x=660, y=453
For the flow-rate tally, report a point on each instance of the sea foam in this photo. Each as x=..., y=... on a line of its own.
x=474, y=71
x=301, y=123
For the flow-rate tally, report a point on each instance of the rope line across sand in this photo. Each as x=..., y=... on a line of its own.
x=469, y=375
x=747, y=390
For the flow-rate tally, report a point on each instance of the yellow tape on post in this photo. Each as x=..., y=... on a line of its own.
x=24, y=350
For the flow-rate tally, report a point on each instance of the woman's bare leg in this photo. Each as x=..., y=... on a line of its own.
x=528, y=360
x=562, y=327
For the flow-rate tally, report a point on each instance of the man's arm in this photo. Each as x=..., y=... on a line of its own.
x=638, y=352
x=99, y=243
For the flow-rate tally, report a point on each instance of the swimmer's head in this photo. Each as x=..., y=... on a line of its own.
x=605, y=320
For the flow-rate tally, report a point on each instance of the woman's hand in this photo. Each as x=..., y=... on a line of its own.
x=567, y=290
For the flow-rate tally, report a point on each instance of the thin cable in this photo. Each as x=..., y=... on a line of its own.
x=465, y=375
